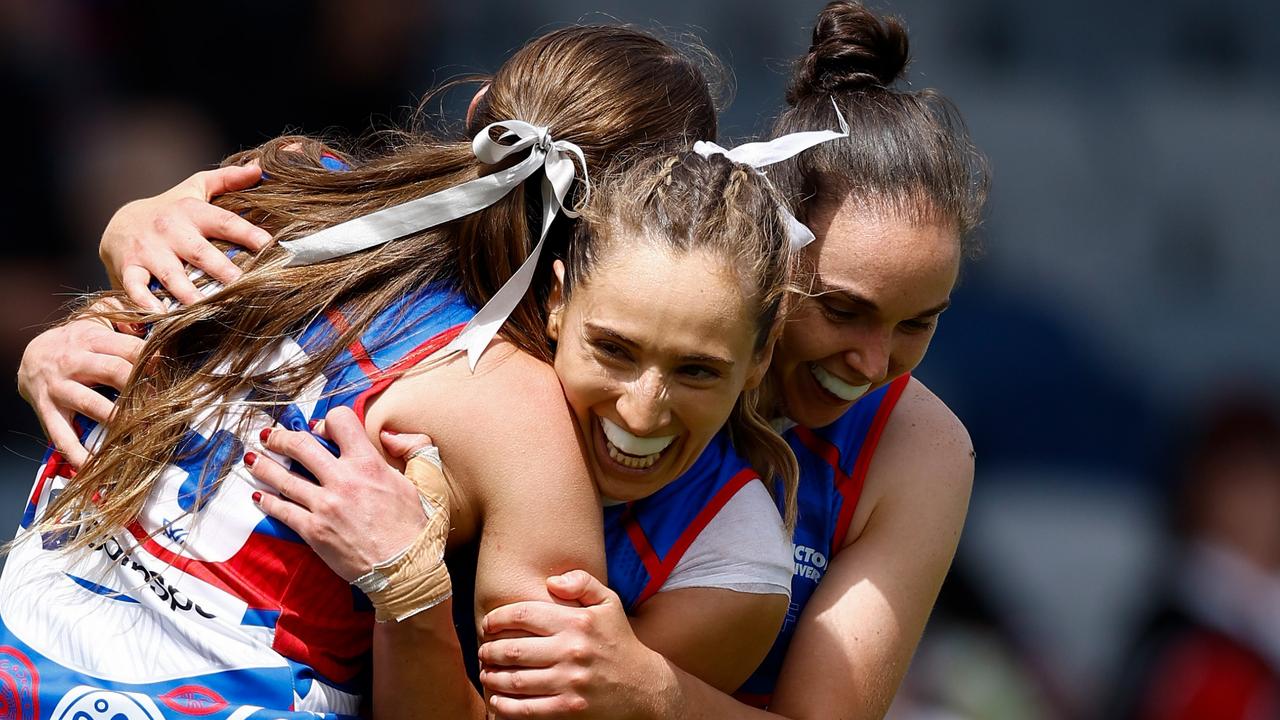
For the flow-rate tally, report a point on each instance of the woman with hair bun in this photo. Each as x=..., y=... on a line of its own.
x=212, y=557
x=886, y=468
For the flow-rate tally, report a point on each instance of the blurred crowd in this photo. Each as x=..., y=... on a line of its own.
x=1111, y=354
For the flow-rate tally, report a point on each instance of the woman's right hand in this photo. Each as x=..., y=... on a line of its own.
x=59, y=370
x=154, y=236
x=577, y=658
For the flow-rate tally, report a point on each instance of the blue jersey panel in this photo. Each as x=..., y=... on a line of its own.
x=204, y=606
x=645, y=539
x=833, y=462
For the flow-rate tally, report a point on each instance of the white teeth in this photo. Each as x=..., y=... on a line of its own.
x=631, y=444
x=835, y=385
x=631, y=451
x=637, y=463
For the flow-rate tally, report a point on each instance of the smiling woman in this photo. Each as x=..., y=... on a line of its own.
x=877, y=288
x=647, y=350
x=663, y=316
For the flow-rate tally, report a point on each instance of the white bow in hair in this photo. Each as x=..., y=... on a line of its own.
x=762, y=154
x=555, y=157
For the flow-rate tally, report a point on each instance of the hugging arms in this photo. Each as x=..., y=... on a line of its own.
x=882, y=458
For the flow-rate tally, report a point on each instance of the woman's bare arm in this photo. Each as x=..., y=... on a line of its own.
x=855, y=637
x=720, y=636
x=518, y=480
x=867, y=615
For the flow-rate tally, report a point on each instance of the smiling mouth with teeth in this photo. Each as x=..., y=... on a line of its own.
x=835, y=385
x=632, y=451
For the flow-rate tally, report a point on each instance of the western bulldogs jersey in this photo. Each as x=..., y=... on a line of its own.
x=645, y=539
x=833, y=467
x=204, y=606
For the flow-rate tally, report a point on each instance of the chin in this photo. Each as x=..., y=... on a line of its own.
x=817, y=417
x=618, y=482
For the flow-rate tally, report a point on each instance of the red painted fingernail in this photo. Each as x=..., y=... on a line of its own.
x=257, y=498
x=250, y=458
x=313, y=423
x=266, y=433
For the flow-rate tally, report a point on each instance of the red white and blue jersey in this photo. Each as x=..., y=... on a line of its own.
x=204, y=607
x=833, y=467
x=646, y=538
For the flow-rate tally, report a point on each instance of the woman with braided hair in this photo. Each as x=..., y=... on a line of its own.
x=190, y=566
x=885, y=467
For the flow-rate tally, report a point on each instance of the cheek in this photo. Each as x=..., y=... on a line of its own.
x=909, y=351
x=577, y=378
x=703, y=413
x=802, y=338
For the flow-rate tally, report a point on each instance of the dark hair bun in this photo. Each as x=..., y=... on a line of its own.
x=852, y=49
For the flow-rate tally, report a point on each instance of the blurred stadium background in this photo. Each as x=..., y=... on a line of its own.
x=1128, y=287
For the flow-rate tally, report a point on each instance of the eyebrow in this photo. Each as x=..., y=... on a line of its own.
x=824, y=288
x=618, y=337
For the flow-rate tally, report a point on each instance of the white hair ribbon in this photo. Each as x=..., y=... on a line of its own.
x=762, y=154
x=555, y=157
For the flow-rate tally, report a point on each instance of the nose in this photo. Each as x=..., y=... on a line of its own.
x=643, y=406
x=870, y=356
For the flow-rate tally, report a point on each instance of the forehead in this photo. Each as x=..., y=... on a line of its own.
x=671, y=301
x=885, y=256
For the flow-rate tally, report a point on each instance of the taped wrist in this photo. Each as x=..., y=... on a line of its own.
x=416, y=579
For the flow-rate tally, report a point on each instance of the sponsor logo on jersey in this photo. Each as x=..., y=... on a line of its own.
x=811, y=564
x=19, y=686
x=178, y=602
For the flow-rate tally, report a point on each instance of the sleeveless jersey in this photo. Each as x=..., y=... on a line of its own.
x=833, y=467
x=204, y=607
x=645, y=538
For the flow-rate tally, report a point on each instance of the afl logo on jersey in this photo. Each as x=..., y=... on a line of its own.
x=87, y=703
x=19, y=686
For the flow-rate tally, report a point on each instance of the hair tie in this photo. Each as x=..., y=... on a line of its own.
x=554, y=157
x=762, y=154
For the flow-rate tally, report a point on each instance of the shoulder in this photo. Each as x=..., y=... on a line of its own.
x=923, y=424
x=923, y=464
x=501, y=429
x=507, y=388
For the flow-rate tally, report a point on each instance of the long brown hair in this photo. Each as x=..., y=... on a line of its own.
x=610, y=90
x=690, y=202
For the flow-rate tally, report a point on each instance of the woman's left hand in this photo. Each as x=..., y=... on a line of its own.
x=362, y=511
x=582, y=661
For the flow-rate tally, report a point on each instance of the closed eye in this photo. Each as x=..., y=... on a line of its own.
x=611, y=350
x=700, y=372
x=919, y=325
x=839, y=313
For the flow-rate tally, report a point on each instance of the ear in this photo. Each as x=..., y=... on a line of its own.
x=475, y=102
x=760, y=366
x=555, y=301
